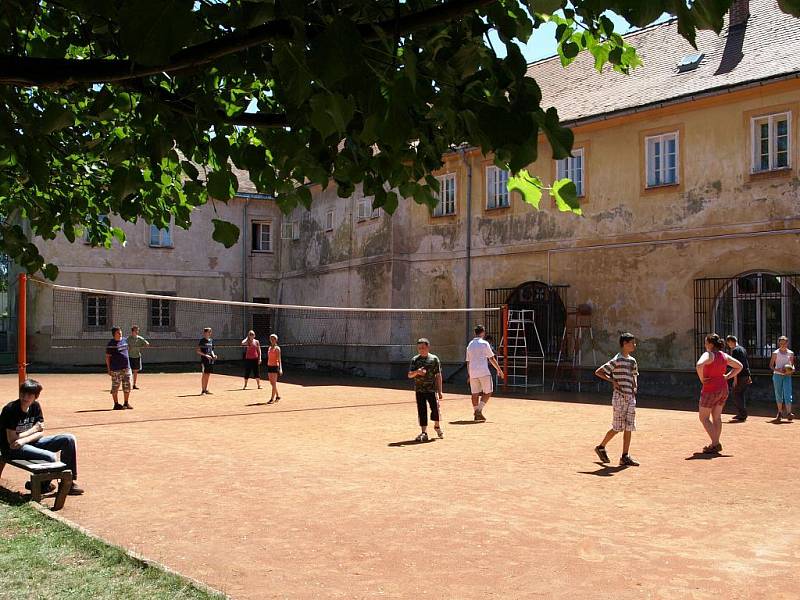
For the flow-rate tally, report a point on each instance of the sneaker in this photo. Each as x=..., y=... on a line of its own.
x=76, y=490
x=117, y=406
x=127, y=406
x=276, y=399
x=422, y=437
x=479, y=416
x=602, y=454
x=207, y=392
x=778, y=418
x=626, y=461
x=136, y=387
x=46, y=489
x=739, y=419
x=439, y=432
x=790, y=417
x=271, y=401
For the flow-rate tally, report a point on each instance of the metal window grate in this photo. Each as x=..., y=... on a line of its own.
x=756, y=307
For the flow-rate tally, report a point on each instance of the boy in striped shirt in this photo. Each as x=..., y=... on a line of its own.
x=622, y=373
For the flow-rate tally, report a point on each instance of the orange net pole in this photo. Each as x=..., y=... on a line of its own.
x=22, y=333
x=505, y=347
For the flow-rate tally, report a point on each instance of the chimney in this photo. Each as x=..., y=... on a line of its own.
x=738, y=13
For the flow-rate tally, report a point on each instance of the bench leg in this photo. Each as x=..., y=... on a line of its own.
x=64, y=485
x=36, y=486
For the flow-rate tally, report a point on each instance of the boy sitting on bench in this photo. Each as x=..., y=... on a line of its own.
x=22, y=435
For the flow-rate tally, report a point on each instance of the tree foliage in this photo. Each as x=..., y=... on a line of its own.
x=138, y=108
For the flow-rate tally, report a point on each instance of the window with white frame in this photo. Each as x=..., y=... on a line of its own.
x=96, y=312
x=160, y=238
x=261, y=236
x=290, y=230
x=771, y=142
x=365, y=211
x=572, y=168
x=496, y=188
x=329, y=221
x=446, y=196
x=661, y=156
x=162, y=312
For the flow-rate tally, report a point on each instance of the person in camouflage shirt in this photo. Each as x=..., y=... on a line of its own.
x=426, y=371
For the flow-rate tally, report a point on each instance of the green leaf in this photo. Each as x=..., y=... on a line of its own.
x=391, y=202
x=561, y=138
x=190, y=170
x=220, y=186
x=565, y=194
x=791, y=7
x=225, y=233
x=547, y=7
x=50, y=271
x=530, y=187
x=331, y=113
x=570, y=50
x=125, y=181
x=152, y=30
x=55, y=118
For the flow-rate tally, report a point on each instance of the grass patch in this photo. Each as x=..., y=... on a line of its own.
x=44, y=559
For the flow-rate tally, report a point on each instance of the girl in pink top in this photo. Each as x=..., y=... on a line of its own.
x=712, y=369
x=252, y=358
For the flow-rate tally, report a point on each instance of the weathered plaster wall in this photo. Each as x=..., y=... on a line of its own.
x=633, y=254
x=195, y=266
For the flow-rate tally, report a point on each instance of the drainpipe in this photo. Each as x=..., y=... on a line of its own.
x=244, y=265
x=468, y=277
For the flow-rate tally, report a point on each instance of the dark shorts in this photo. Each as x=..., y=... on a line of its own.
x=136, y=363
x=206, y=366
x=273, y=369
x=251, y=368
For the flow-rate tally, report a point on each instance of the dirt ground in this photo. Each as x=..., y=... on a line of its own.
x=317, y=496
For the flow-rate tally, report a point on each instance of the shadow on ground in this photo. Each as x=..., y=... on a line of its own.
x=704, y=456
x=605, y=470
x=410, y=443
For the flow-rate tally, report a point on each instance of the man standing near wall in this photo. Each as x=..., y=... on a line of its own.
x=119, y=367
x=742, y=381
x=479, y=355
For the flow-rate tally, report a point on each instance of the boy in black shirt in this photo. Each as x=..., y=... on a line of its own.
x=742, y=381
x=22, y=434
x=205, y=348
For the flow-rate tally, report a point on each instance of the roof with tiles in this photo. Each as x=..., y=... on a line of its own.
x=766, y=47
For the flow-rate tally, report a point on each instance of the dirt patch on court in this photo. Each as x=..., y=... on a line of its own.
x=314, y=498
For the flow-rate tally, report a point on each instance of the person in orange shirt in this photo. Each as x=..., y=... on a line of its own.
x=274, y=367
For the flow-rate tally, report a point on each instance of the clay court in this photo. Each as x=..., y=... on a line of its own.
x=319, y=496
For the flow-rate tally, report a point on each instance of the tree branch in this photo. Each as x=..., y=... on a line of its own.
x=61, y=72
x=189, y=109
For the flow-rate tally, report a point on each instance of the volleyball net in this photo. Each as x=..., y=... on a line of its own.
x=372, y=340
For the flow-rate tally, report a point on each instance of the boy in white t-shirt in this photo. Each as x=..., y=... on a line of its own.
x=479, y=355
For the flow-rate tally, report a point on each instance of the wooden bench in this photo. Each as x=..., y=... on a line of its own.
x=42, y=470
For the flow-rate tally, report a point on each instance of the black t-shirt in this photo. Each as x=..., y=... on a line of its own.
x=740, y=354
x=13, y=418
x=206, y=347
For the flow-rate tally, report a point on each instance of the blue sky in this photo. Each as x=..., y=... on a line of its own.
x=543, y=44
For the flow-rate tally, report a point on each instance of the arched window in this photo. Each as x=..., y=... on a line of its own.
x=758, y=308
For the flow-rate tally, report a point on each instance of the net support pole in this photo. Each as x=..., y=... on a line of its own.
x=505, y=347
x=22, y=329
